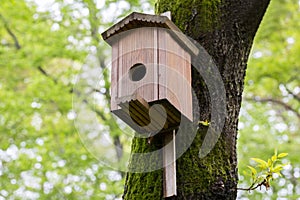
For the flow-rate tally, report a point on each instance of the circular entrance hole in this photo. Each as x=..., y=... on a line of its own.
x=137, y=72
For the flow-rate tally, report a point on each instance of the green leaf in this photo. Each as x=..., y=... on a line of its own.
x=281, y=155
x=204, y=123
x=263, y=164
x=277, y=169
x=270, y=162
x=275, y=152
x=253, y=170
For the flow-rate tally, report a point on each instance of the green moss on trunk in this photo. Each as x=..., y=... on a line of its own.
x=144, y=185
x=203, y=13
x=206, y=178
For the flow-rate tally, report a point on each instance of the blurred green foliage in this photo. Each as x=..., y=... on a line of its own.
x=269, y=117
x=45, y=49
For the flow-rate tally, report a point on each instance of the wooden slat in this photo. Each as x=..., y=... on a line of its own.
x=162, y=62
x=136, y=114
x=188, y=76
x=120, y=68
x=169, y=161
x=155, y=63
x=135, y=117
x=170, y=118
x=158, y=116
x=172, y=113
x=114, y=76
x=144, y=113
x=139, y=107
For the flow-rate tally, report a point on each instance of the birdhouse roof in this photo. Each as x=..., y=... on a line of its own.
x=139, y=20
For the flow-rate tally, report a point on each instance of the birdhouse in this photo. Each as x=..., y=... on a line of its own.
x=151, y=72
x=151, y=81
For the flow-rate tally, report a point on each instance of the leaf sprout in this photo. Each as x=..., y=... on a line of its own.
x=263, y=172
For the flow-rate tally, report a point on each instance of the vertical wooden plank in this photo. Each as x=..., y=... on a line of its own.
x=173, y=75
x=180, y=66
x=169, y=161
x=188, y=75
x=120, y=67
x=125, y=83
x=162, y=63
x=114, y=76
x=145, y=54
x=178, y=77
x=138, y=47
x=169, y=68
x=155, y=63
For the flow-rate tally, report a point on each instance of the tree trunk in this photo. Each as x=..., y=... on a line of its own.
x=226, y=29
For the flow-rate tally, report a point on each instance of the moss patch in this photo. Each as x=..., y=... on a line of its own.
x=195, y=175
x=144, y=185
x=204, y=14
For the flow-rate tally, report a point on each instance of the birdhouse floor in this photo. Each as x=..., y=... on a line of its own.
x=135, y=113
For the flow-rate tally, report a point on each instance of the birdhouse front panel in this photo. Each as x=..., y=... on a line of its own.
x=137, y=69
x=150, y=66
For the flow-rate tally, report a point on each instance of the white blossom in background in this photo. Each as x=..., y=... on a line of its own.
x=37, y=121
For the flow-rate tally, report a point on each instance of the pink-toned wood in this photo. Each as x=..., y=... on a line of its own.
x=174, y=80
x=168, y=74
x=114, y=76
x=155, y=63
x=169, y=161
x=120, y=68
x=138, y=20
x=174, y=84
x=188, y=76
x=137, y=49
x=162, y=58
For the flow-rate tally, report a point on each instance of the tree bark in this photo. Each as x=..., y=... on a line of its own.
x=226, y=29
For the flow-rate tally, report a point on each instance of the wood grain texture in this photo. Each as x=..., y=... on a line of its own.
x=167, y=78
x=169, y=161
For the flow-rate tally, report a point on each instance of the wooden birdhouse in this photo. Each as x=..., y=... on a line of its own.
x=151, y=64
x=151, y=80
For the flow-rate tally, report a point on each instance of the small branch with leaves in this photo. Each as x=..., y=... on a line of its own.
x=263, y=172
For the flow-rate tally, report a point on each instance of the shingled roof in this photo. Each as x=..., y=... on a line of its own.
x=139, y=20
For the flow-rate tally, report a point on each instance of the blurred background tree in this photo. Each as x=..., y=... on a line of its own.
x=46, y=49
x=53, y=66
x=270, y=114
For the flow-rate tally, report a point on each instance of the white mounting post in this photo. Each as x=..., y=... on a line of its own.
x=169, y=161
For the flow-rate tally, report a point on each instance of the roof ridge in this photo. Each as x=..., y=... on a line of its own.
x=136, y=16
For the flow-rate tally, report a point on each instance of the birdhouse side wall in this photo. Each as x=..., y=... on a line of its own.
x=174, y=74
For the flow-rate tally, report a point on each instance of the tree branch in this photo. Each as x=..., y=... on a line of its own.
x=274, y=101
x=46, y=74
x=253, y=187
x=116, y=139
x=297, y=97
x=14, y=37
